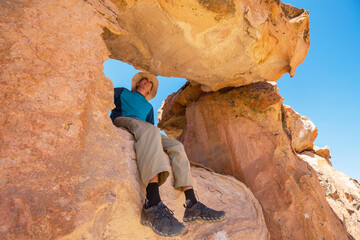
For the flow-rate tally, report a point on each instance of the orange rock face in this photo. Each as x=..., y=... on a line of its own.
x=214, y=43
x=65, y=170
x=172, y=112
x=341, y=191
x=121, y=220
x=323, y=152
x=55, y=168
x=301, y=129
x=240, y=132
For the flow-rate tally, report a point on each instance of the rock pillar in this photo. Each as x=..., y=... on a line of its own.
x=239, y=132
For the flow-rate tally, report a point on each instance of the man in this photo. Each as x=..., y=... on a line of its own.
x=136, y=114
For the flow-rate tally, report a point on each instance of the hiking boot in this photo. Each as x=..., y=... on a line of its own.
x=200, y=212
x=162, y=221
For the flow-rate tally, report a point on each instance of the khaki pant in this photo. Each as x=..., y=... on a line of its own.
x=149, y=147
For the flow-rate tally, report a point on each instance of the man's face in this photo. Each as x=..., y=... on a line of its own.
x=145, y=84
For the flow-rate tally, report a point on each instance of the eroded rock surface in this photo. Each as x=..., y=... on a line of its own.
x=240, y=132
x=323, y=152
x=65, y=169
x=215, y=43
x=342, y=192
x=300, y=129
x=56, y=170
x=171, y=115
x=121, y=220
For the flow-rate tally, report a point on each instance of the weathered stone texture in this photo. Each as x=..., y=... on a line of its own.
x=65, y=170
x=300, y=129
x=171, y=115
x=323, y=152
x=121, y=220
x=54, y=100
x=215, y=43
x=342, y=192
x=240, y=132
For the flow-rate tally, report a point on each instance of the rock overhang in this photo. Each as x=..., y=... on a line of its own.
x=216, y=44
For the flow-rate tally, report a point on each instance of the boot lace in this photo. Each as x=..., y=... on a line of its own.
x=165, y=212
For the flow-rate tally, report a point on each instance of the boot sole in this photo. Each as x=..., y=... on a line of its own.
x=201, y=219
x=148, y=224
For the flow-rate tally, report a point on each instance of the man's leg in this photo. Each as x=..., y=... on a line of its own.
x=195, y=210
x=153, y=171
x=179, y=162
x=190, y=198
x=152, y=192
x=148, y=147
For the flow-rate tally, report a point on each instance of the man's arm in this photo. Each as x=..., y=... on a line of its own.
x=150, y=117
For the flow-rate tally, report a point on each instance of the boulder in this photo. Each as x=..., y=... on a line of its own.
x=300, y=129
x=240, y=132
x=171, y=114
x=341, y=191
x=214, y=43
x=322, y=152
x=121, y=219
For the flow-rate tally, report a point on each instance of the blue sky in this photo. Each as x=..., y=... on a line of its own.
x=326, y=86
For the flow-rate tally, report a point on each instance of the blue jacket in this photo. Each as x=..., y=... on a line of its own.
x=131, y=104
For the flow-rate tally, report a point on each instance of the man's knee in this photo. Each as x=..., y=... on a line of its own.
x=177, y=146
x=180, y=146
x=151, y=130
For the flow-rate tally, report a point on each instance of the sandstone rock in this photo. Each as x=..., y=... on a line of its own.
x=66, y=171
x=240, y=132
x=300, y=129
x=171, y=115
x=323, y=152
x=215, y=43
x=57, y=166
x=346, y=204
x=121, y=220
